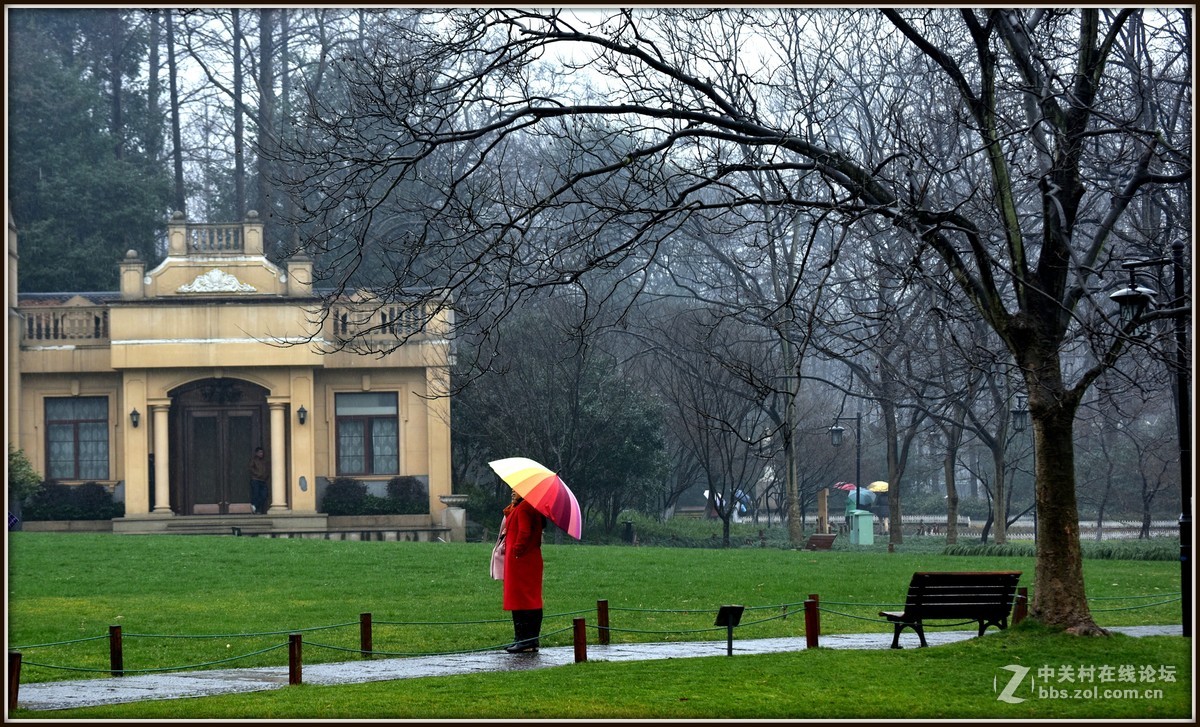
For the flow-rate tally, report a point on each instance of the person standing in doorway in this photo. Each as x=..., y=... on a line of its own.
x=260, y=474
x=523, y=573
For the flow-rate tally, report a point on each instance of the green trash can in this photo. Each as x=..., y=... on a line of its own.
x=862, y=527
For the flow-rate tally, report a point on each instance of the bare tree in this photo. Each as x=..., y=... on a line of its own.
x=1022, y=222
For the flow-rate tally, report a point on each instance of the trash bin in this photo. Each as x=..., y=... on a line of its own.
x=628, y=537
x=862, y=527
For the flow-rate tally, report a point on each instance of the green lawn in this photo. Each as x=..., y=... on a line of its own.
x=220, y=598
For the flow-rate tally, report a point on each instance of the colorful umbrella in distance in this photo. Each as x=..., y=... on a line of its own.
x=544, y=489
x=878, y=486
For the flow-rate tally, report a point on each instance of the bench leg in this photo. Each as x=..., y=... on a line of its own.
x=1001, y=624
x=917, y=627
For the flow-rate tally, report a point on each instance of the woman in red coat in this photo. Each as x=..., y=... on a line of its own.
x=523, y=573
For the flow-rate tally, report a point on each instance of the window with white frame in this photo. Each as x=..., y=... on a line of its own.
x=368, y=433
x=77, y=438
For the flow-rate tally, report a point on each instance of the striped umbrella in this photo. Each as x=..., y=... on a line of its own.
x=544, y=489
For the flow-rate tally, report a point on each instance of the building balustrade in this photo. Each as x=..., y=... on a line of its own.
x=379, y=322
x=49, y=325
x=65, y=325
x=209, y=239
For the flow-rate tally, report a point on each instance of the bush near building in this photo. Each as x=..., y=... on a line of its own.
x=89, y=501
x=347, y=496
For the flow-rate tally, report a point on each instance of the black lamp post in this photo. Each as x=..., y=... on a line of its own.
x=835, y=438
x=1133, y=301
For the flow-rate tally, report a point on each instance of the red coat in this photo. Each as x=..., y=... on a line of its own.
x=523, y=559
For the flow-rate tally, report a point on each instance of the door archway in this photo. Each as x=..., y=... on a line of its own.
x=215, y=426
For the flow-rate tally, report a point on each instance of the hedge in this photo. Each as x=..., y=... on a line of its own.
x=54, y=501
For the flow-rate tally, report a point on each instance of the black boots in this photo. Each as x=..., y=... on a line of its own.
x=527, y=626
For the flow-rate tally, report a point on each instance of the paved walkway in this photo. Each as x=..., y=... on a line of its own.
x=176, y=685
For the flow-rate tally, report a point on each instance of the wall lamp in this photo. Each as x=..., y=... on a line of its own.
x=135, y=417
x=302, y=413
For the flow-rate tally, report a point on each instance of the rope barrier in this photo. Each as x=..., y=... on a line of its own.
x=850, y=615
x=236, y=636
x=1130, y=598
x=605, y=629
x=160, y=669
x=1131, y=608
x=443, y=623
x=769, y=618
x=782, y=605
x=59, y=643
x=670, y=631
x=493, y=647
x=481, y=621
x=860, y=603
x=661, y=610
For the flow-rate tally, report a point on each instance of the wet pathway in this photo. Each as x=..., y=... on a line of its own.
x=209, y=682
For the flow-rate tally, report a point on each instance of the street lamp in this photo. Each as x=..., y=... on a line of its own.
x=835, y=438
x=1020, y=416
x=1134, y=301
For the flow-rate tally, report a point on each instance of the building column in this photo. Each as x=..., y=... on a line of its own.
x=162, y=464
x=278, y=458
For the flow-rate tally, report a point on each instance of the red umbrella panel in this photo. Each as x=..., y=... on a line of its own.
x=544, y=489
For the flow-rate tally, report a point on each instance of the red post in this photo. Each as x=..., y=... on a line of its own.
x=364, y=635
x=294, y=667
x=580, y=634
x=602, y=620
x=14, y=677
x=812, y=622
x=1021, y=609
x=116, y=654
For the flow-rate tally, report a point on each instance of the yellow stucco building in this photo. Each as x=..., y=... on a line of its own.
x=163, y=390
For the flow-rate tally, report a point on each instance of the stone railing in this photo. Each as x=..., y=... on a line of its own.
x=213, y=239
x=378, y=322
x=65, y=325
x=195, y=239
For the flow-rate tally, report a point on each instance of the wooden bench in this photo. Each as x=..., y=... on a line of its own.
x=818, y=541
x=986, y=597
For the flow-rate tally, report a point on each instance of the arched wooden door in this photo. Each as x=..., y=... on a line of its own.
x=216, y=424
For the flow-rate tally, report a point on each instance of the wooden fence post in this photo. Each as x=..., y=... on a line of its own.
x=366, y=644
x=116, y=653
x=294, y=658
x=14, y=677
x=580, y=634
x=602, y=620
x=812, y=621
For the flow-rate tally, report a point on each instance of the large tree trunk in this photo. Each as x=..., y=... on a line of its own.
x=266, y=116
x=153, y=92
x=999, y=492
x=951, y=495
x=1058, y=597
x=176, y=134
x=239, y=133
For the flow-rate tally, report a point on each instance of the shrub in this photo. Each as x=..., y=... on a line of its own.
x=89, y=501
x=346, y=496
x=23, y=480
x=1152, y=549
x=407, y=495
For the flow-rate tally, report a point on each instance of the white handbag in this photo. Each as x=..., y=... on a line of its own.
x=498, y=554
